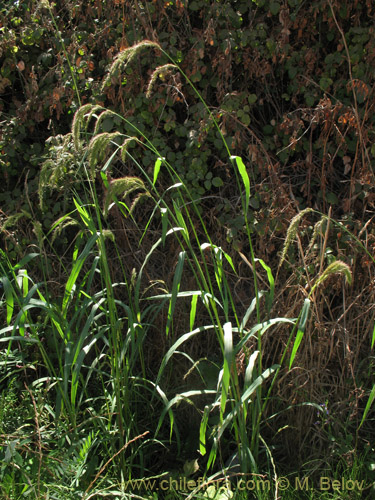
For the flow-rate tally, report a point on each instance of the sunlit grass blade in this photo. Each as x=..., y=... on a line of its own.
x=245, y=397
x=202, y=430
x=76, y=270
x=245, y=179
x=181, y=221
x=271, y=281
x=236, y=410
x=249, y=373
x=157, y=169
x=250, y=310
x=164, y=224
x=261, y=328
x=193, y=310
x=228, y=359
x=85, y=217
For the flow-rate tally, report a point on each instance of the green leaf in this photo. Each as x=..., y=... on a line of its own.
x=217, y=182
x=325, y=83
x=331, y=198
x=274, y=8
x=252, y=98
x=254, y=202
x=292, y=72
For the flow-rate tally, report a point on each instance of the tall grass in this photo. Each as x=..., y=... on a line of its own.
x=99, y=408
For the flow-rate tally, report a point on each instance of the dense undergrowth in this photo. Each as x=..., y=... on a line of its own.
x=176, y=308
x=107, y=355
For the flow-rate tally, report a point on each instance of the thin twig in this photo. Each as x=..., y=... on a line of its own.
x=112, y=458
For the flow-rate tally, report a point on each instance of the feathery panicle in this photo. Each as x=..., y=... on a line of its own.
x=45, y=181
x=292, y=231
x=125, y=146
x=137, y=199
x=12, y=220
x=160, y=71
x=43, y=4
x=97, y=148
x=317, y=230
x=63, y=223
x=89, y=115
x=122, y=186
x=56, y=168
x=38, y=230
x=108, y=235
x=105, y=114
x=124, y=58
x=335, y=267
x=78, y=120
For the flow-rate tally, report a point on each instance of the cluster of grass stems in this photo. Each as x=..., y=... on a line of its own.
x=95, y=414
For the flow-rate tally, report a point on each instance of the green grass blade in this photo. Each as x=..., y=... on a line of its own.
x=157, y=169
x=250, y=369
x=9, y=300
x=193, y=310
x=25, y=260
x=83, y=213
x=202, y=430
x=245, y=179
x=76, y=270
x=177, y=399
x=176, y=345
x=80, y=354
x=175, y=289
x=301, y=330
x=250, y=310
x=368, y=406
x=228, y=359
x=164, y=224
x=245, y=397
x=147, y=258
x=262, y=327
x=271, y=281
